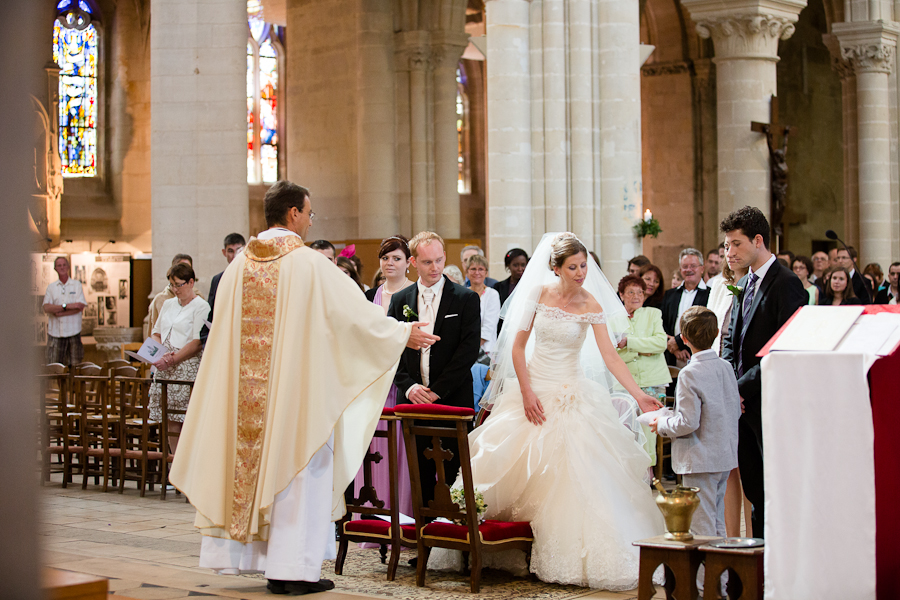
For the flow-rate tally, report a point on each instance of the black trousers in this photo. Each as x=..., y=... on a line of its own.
x=750, y=461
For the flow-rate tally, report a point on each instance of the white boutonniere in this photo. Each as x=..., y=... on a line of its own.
x=735, y=290
x=409, y=313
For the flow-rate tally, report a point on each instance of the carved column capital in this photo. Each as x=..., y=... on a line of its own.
x=448, y=48
x=746, y=36
x=839, y=64
x=865, y=47
x=413, y=51
x=745, y=29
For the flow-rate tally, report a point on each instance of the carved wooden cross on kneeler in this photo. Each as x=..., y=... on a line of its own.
x=779, y=169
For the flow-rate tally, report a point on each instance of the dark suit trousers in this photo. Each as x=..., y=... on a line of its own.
x=750, y=461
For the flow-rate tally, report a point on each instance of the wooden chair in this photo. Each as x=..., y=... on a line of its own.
x=166, y=434
x=54, y=412
x=377, y=531
x=99, y=426
x=139, y=438
x=473, y=538
x=111, y=365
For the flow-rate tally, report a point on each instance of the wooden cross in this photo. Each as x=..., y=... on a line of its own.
x=779, y=172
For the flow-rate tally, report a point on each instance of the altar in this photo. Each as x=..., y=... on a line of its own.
x=832, y=467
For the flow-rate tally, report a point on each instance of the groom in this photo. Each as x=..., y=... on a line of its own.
x=771, y=293
x=441, y=374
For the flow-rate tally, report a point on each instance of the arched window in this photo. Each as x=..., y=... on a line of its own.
x=264, y=58
x=75, y=50
x=464, y=182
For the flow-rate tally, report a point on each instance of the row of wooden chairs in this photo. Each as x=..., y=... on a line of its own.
x=98, y=421
x=439, y=424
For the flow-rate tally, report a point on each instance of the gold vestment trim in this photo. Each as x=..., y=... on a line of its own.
x=258, y=302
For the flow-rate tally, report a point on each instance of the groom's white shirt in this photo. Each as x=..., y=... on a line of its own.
x=425, y=365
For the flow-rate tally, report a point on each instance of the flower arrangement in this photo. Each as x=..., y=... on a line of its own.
x=409, y=313
x=458, y=496
x=647, y=226
x=735, y=290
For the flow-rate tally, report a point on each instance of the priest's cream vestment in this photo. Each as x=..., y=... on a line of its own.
x=293, y=379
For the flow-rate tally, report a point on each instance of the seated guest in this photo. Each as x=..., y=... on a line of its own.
x=178, y=329
x=454, y=274
x=515, y=262
x=890, y=293
x=838, y=291
x=653, y=277
x=820, y=265
x=786, y=258
x=479, y=383
x=477, y=271
x=465, y=254
x=325, y=247
x=378, y=279
x=357, y=262
x=635, y=264
x=846, y=259
x=346, y=265
x=704, y=427
x=677, y=279
x=802, y=267
x=713, y=265
x=873, y=270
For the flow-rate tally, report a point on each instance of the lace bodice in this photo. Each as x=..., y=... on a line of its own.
x=555, y=327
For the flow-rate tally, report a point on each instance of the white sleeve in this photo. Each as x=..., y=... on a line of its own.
x=491, y=314
x=48, y=297
x=200, y=315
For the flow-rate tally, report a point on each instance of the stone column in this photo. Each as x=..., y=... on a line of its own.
x=619, y=142
x=746, y=39
x=448, y=50
x=849, y=133
x=705, y=137
x=509, y=128
x=416, y=52
x=379, y=206
x=869, y=47
x=198, y=59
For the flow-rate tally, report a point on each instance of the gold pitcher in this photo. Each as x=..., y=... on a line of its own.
x=677, y=507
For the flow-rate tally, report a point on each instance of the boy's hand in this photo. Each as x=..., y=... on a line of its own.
x=743, y=410
x=653, y=424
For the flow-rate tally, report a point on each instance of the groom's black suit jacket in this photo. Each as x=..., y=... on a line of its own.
x=777, y=297
x=458, y=323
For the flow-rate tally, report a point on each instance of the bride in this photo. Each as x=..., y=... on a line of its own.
x=560, y=449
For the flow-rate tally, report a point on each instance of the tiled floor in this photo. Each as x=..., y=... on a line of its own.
x=147, y=548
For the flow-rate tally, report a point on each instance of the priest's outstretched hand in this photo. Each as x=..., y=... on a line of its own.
x=418, y=339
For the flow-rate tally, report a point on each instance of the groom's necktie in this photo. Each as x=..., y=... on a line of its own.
x=428, y=317
x=745, y=312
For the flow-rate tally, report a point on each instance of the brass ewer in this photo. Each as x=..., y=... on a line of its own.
x=677, y=507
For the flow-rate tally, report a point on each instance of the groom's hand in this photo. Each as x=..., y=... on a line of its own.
x=418, y=339
x=421, y=395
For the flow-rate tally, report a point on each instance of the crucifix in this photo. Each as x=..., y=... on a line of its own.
x=779, y=169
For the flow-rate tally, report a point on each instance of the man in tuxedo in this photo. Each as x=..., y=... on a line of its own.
x=890, y=294
x=234, y=243
x=442, y=373
x=771, y=294
x=692, y=292
x=846, y=258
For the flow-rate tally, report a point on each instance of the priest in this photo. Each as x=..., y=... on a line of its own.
x=289, y=392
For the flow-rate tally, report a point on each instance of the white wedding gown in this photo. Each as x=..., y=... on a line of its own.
x=579, y=477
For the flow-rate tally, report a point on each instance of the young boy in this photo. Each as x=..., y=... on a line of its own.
x=705, y=423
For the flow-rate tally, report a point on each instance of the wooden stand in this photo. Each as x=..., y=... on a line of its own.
x=66, y=585
x=746, y=563
x=681, y=560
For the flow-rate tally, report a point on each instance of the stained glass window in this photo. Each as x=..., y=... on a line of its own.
x=75, y=50
x=463, y=185
x=263, y=48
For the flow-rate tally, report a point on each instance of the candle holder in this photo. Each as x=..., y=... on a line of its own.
x=647, y=227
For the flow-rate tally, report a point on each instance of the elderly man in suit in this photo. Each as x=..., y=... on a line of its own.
x=770, y=294
x=692, y=292
x=441, y=373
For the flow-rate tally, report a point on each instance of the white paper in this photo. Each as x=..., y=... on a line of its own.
x=876, y=334
x=150, y=352
x=818, y=328
x=404, y=520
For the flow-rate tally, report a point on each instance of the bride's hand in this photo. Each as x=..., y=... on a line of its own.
x=534, y=412
x=647, y=402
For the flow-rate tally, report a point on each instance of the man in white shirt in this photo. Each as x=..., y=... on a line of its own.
x=692, y=292
x=64, y=301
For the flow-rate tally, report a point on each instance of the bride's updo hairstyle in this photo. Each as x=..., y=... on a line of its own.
x=562, y=247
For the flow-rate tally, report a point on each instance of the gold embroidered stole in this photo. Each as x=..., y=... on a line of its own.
x=259, y=297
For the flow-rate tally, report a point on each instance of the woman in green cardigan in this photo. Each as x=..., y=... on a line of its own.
x=643, y=344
